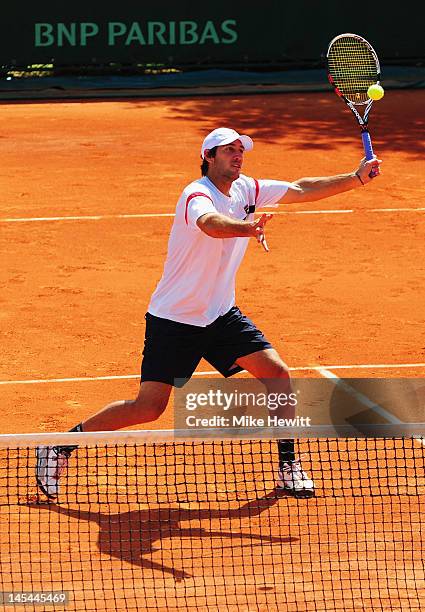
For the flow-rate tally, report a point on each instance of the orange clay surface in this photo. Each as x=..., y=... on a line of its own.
x=335, y=289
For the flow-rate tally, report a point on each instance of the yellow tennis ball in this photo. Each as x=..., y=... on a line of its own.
x=375, y=92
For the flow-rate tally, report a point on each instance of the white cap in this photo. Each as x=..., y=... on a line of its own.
x=222, y=136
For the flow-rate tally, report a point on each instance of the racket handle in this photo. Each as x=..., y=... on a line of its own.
x=367, y=145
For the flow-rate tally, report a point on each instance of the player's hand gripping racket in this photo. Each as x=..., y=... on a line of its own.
x=353, y=67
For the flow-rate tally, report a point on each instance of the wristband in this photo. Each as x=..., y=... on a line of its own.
x=359, y=177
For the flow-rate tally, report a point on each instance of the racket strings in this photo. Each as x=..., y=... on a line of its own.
x=353, y=68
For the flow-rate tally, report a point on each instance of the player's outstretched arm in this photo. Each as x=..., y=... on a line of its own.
x=217, y=225
x=310, y=189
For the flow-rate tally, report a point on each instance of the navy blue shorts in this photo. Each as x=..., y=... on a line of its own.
x=173, y=350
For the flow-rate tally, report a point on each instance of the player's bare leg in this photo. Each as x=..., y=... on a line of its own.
x=148, y=406
x=268, y=367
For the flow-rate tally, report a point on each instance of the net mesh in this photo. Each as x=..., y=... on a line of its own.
x=353, y=67
x=186, y=525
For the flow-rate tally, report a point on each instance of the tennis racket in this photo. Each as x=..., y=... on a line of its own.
x=353, y=67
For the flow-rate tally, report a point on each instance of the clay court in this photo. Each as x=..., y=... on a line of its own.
x=88, y=193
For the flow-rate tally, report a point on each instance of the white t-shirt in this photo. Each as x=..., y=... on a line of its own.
x=198, y=282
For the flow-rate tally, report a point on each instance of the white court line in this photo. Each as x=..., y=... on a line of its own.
x=153, y=215
x=85, y=218
x=312, y=368
x=360, y=397
x=363, y=399
x=150, y=215
x=37, y=381
x=395, y=209
x=367, y=366
x=313, y=212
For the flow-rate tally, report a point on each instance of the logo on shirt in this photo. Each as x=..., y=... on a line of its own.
x=249, y=209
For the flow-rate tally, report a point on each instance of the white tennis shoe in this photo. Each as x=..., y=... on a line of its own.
x=292, y=478
x=51, y=463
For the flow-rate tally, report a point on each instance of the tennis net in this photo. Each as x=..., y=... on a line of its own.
x=147, y=521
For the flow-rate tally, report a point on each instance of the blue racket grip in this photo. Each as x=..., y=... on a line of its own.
x=367, y=145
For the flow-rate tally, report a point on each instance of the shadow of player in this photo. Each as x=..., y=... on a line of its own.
x=131, y=536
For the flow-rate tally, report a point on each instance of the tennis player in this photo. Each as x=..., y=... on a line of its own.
x=192, y=313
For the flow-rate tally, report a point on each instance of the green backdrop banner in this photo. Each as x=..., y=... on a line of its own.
x=196, y=33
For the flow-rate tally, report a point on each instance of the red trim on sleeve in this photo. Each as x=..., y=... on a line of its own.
x=257, y=190
x=194, y=195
